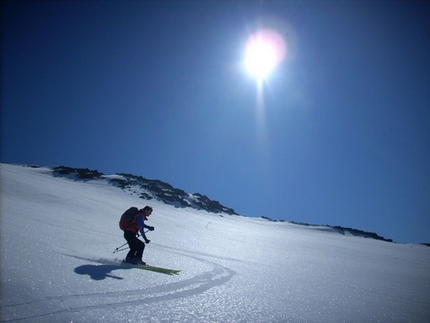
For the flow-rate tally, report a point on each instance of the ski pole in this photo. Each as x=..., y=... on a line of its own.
x=119, y=248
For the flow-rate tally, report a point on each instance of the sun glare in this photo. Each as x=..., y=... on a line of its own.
x=264, y=51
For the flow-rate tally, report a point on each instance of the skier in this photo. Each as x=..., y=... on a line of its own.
x=136, y=225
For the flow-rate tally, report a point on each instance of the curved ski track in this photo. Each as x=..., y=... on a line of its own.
x=82, y=302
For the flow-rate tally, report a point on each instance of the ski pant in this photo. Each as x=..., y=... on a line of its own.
x=136, y=246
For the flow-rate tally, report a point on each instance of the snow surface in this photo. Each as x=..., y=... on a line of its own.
x=57, y=238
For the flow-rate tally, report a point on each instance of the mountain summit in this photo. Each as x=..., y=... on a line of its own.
x=147, y=189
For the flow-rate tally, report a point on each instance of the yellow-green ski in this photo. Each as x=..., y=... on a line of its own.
x=161, y=270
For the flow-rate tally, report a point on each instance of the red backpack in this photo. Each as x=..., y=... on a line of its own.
x=127, y=217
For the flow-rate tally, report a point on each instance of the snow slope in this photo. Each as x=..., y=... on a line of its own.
x=57, y=265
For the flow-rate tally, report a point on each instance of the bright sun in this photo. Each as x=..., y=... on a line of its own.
x=264, y=51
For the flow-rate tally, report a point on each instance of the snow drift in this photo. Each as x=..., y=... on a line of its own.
x=57, y=265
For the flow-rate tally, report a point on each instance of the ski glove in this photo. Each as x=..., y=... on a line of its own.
x=150, y=228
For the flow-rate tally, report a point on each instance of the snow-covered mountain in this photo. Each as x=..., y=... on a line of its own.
x=155, y=189
x=147, y=189
x=58, y=234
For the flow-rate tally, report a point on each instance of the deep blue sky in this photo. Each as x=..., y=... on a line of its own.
x=157, y=89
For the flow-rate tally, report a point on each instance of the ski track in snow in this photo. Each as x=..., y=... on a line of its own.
x=119, y=299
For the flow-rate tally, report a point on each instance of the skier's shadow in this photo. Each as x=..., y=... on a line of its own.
x=98, y=272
